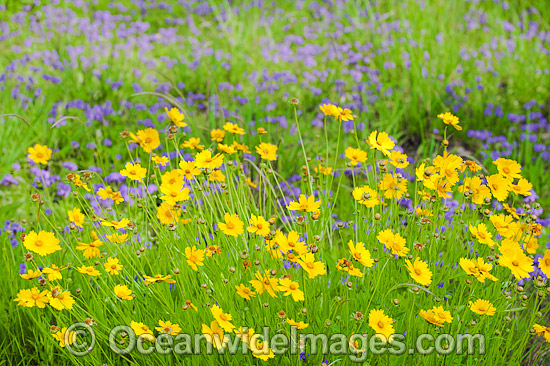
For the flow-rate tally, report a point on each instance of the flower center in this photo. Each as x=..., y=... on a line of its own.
x=417, y=271
x=380, y=324
x=38, y=243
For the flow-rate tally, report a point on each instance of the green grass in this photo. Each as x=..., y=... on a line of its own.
x=409, y=115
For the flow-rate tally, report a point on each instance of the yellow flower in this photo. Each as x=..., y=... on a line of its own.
x=419, y=271
x=265, y=283
x=168, y=328
x=261, y=131
x=148, y=139
x=347, y=266
x=112, y=266
x=304, y=204
x=241, y=147
x=298, y=325
x=32, y=274
x=43, y=243
x=189, y=304
x=76, y=217
x=160, y=160
x=214, y=335
x=291, y=288
x=286, y=244
x=217, y=135
x=245, y=292
x=393, y=186
x=258, y=225
x=329, y=110
x=260, y=349
x=360, y=254
x=517, y=261
x=75, y=178
x=442, y=314
x=158, y=278
x=341, y=114
x=430, y=317
x=381, y=142
x=223, y=319
x=193, y=143
x=479, y=269
x=313, y=268
x=449, y=119
x=107, y=192
x=216, y=176
x=140, y=328
x=60, y=299
x=117, y=238
x=523, y=187
x=195, y=257
x=54, y=273
x=205, y=160
x=482, y=235
x=544, y=263
x=438, y=316
x=267, y=151
x=484, y=269
x=123, y=292
x=471, y=165
x=469, y=266
x=244, y=334
x=482, y=307
x=232, y=226
x=233, y=128
x=541, y=330
x=91, y=250
x=173, y=194
x=367, y=196
x=500, y=186
x=176, y=116
x=228, y=149
x=250, y=183
x=508, y=168
x=382, y=324
x=398, y=159
x=167, y=214
x=448, y=166
x=62, y=335
x=395, y=242
x=532, y=245
x=89, y=270
x=479, y=192
x=323, y=170
x=32, y=297
x=189, y=170
x=39, y=154
x=134, y=171
x=356, y=155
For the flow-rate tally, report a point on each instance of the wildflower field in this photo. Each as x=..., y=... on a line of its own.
x=274, y=182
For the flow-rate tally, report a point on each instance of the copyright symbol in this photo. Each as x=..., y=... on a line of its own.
x=76, y=346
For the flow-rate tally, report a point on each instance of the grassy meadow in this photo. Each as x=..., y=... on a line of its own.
x=337, y=168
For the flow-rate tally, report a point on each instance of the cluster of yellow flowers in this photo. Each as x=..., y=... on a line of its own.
x=239, y=221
